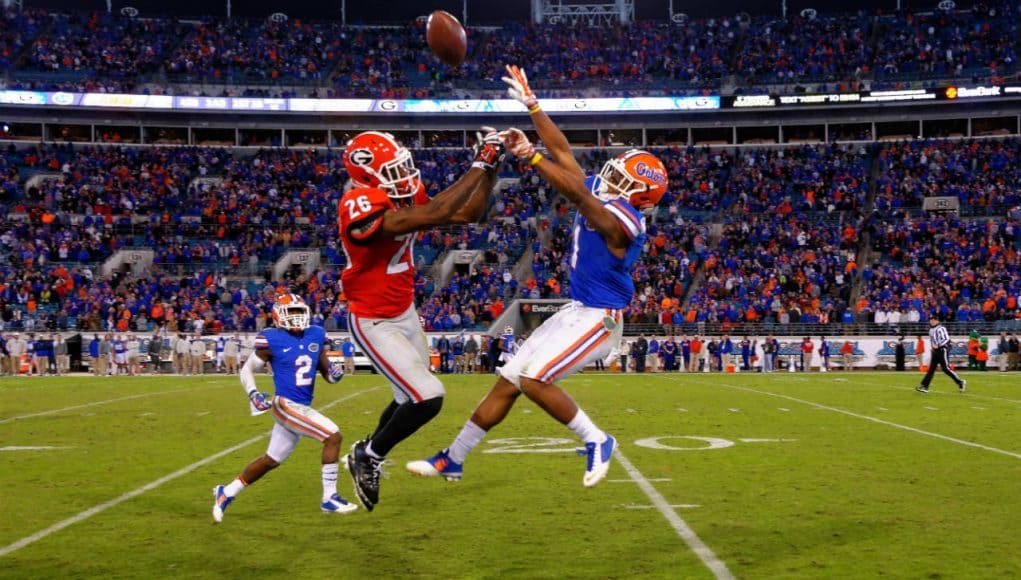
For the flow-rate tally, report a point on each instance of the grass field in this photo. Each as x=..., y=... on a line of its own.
x=776, y=476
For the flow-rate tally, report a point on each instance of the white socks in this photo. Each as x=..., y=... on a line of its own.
x=329, y=480
x=233, y=488
x=584, y=427
x=470, y=436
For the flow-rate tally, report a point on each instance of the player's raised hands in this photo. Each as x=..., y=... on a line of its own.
x=518, y=89
x=517, y=143
x=488, y=149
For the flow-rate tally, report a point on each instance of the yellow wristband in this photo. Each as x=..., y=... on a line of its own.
x=535, y=159
x=534, y=109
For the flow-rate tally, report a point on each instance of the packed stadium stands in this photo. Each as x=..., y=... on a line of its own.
x=742, y=237
x=103, y=52
x=815, y=234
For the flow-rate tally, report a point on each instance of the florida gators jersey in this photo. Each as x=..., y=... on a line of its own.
x=379, y=280
x=598, y=278
x=294, y=359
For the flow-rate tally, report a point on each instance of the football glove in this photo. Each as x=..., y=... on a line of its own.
x=336, y=372
x=517, y=143
x=258, y=403
x=518, y=89
x=488, y=149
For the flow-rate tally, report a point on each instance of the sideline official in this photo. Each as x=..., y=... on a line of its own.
x=939, y=349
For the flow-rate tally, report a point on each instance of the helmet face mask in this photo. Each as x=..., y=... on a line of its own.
x=291, y=313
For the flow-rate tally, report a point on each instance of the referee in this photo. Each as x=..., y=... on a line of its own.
x=939, y=340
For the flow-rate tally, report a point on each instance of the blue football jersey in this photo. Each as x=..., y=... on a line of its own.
x=294, y=359
x=598, y=278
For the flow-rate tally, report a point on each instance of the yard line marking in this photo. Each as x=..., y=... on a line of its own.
x=882, y=409
x=880, y=421
x=32, y=448
x=784, y=409
x=932, y=408
x=733, y=410
x=147, y=487
x=93, y=404
x=632, y=506
x=977, y=408
x=954, y=392
x=704, y=553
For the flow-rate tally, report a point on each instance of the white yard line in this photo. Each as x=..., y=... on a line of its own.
x=94, y=404
x=876, y=420
x=704, y=553
x=951, y=391
x=147, y=487
x=31, y=448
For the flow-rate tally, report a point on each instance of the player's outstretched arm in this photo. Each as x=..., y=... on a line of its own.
x=550, y=135
x=487, y=153
x=440, y=210
x=571, y=185
x=463, y=202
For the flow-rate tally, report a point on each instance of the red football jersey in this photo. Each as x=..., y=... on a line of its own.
x=379, y=280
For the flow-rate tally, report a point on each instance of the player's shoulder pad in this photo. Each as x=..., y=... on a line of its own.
x=264, y=339
x=316, y=334
x=361, y=212
x=631, y=220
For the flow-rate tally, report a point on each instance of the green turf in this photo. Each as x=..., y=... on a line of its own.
x=872, y=480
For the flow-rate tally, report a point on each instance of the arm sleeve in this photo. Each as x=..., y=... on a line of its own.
x=253, y=364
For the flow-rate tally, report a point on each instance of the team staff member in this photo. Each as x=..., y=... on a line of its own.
x=939, y=347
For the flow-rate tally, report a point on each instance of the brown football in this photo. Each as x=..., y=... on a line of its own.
x=446, y=37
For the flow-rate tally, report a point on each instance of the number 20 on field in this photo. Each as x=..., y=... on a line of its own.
x=666, y=442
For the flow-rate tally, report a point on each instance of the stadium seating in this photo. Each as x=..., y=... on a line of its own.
x=98, y=51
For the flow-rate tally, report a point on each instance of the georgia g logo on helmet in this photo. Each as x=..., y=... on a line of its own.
x=361, y=157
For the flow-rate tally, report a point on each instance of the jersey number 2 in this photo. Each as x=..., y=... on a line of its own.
x=303, y=371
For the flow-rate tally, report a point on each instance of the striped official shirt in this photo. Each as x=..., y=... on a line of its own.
x=938, y=336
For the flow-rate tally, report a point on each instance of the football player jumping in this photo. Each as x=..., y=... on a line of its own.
x=609, y=232
x=297, y=351
x=379, y=220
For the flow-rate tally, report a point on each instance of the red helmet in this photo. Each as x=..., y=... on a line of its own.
x=290, y=312
x=636, y=176
x=375, y=159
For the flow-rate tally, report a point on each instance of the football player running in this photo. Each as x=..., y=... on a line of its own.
x=609, y=231
x=297, y=351
x=379, y=220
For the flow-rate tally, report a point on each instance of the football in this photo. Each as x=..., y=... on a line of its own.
x=446, y=37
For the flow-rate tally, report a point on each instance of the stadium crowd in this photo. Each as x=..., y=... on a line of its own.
x=101, y=52
x=791, y=230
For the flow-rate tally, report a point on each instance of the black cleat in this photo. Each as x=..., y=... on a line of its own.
x=365, y=472
x=963, y=386
x=922, y=389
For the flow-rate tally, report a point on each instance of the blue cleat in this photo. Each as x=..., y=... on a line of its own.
x=220, y=503
x=599, y=455
x=338, y=505
x=439, y=464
